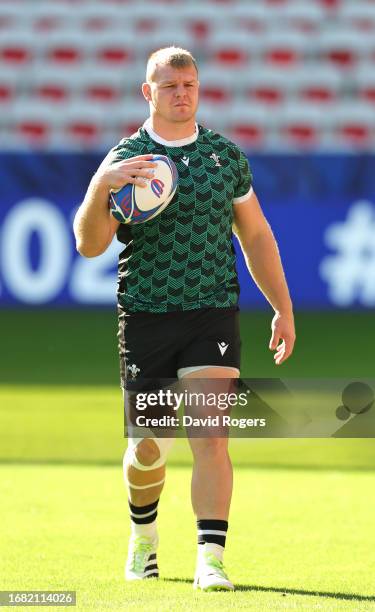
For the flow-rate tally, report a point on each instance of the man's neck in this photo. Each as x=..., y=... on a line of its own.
x=172, y=131
x=171, y=142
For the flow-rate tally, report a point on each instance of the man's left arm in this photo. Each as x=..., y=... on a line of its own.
x=263, y=261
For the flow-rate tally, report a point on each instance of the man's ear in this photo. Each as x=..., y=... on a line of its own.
x=146, y=90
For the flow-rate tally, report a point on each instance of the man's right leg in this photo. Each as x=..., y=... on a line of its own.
x=144, y=473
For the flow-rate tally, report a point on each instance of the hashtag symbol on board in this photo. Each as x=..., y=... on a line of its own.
x=350, y=272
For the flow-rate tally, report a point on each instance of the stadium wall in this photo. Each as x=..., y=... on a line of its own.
x=321, y=208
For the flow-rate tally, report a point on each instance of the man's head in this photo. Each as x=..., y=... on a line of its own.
x=172, y=84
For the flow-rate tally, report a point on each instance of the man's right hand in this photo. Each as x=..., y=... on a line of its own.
x=132, y=170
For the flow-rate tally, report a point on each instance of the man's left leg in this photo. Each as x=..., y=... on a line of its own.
x=211, y=492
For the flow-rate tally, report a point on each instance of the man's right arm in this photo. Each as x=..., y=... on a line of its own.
x=94, y=226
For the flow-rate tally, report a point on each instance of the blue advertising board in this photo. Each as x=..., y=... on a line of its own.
x=321, y=209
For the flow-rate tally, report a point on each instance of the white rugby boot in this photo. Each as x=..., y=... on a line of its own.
x=210, y=574
x=141, y=562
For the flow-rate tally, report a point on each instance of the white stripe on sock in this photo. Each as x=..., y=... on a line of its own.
x=143, y=515
x=211, y=532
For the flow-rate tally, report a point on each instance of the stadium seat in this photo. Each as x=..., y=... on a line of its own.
x=10, y=85
x=30, y=124
x=267, y=86
x=344, y=47
x=283, y=48
x=362, y=81
x=65, y=48
x=11, y=18
x=250, y=17
x=114, y=49
x=48, y=16
x=320, y=85
x=217, y=86
x=17, y=48
x=354, y=125
x=199, y=20
x=54, y=86
x=84, y=124
x=97, y=17
x=303, y=16
x=232, y=49
x=301, y=126
x=361, y=15
x=248, y=125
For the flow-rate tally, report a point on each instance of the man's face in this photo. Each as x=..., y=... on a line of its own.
x=173, y=93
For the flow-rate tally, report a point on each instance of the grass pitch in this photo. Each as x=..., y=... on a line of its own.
x=297, y=540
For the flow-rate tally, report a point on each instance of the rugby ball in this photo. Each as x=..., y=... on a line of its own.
x=133, y=204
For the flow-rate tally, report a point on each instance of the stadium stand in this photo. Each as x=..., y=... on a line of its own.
x=275, y=74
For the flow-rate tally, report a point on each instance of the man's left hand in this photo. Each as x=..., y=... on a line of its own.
x=283, y=337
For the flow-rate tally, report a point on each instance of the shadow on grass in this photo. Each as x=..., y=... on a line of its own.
x=183, y=464
x=254, y=587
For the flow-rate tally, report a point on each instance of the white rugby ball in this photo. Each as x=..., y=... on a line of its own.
x=133, y=204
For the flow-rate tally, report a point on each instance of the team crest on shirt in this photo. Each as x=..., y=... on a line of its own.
x=185, y=160
x=133, y=370
x=216, y=159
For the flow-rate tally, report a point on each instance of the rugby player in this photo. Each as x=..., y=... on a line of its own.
x=178, y=294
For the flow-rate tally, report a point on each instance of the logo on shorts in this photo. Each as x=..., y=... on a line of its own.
x=133, y=370
x=222, y=347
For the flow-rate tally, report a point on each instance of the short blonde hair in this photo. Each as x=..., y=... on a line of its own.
x=169, y=56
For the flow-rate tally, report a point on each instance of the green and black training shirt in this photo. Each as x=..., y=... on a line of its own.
x=184, y=258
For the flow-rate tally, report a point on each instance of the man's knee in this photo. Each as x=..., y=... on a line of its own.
x=209, y=447
x=147, y=452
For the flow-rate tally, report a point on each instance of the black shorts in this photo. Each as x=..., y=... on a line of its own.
x=156, y=346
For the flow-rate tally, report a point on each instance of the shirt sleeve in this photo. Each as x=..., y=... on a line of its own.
x=244, y=187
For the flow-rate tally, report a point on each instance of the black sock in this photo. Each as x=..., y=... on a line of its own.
x=207, y=526
x=142, y=515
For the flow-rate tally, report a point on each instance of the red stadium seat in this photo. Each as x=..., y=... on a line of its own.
x=54, y=86
x=33, y=130
x=267, y=94
x=249, y=134
x=10, y=82
x=364, y=82
x=331, y=4
x=300, y=126
x=355, y=133
x=268, y=86
x=344, y=47
x=231, y=49
x=30, y=124
x=64, y=48
x=84, y=130
x=114, y=54
x=354, y=125
x=359, y=15
x=301, y=16
x=282, y=48
x=250, y=17
x=248, y=125
x=17, y=48
x=300, y=134
x=318, y=93
x=65, y=54
x=114, y=49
